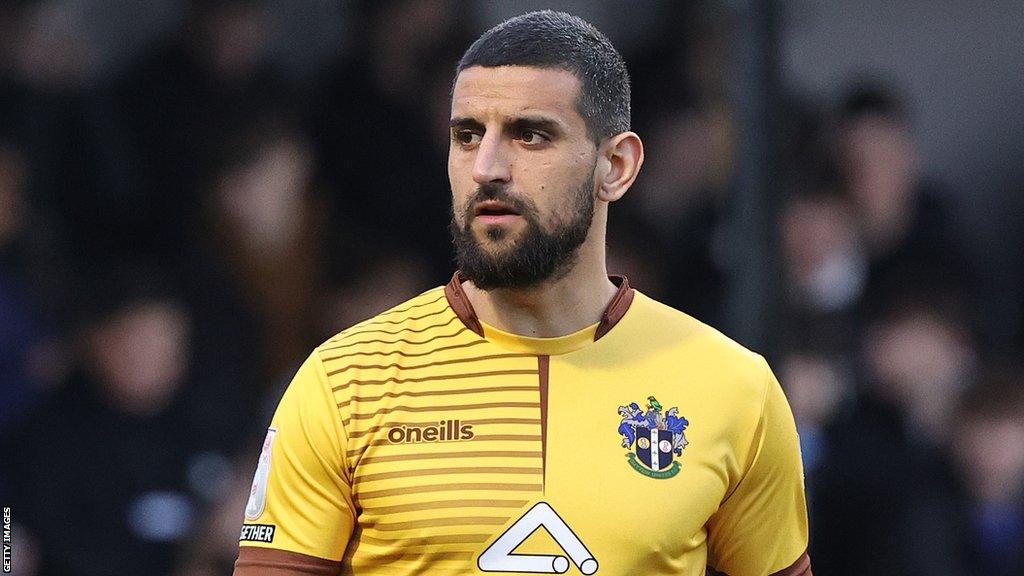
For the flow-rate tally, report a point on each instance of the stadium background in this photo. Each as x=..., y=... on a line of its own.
x=195, y=193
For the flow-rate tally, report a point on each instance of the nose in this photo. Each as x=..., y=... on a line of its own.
x=492, y=163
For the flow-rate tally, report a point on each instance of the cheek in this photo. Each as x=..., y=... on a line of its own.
x=462, y=188
x=557, y=192
x=460, y=199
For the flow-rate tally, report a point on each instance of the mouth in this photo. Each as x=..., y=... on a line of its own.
x=494, y=211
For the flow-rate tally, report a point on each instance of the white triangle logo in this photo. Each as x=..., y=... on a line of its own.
x=499, y=557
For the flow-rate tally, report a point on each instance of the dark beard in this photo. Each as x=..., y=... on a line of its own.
x=536, y=256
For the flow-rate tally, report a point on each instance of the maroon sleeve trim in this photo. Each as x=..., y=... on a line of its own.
x=802, y=567
x=253, y=561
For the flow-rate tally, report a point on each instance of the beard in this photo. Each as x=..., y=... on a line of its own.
x=536, y=256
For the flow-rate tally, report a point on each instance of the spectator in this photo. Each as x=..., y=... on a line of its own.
x=989, y=446
x=48, y=82
x=265, y=227
x=818, y=386
x=113, y=470
x=176, y=108
x=19, y=329
x=825, y=268
x=904, y=220
x=886, y=480
x=30, y=358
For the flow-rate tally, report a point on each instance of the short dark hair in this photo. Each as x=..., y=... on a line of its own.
x=549, y=39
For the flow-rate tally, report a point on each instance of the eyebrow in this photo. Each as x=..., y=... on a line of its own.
x=465, y=122
x=540, y=123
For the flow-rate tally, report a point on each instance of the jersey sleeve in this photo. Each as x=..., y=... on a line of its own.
x=300, y=512
x=761, y=526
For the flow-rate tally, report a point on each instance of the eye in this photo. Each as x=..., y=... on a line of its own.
x=466, y=137
x=532, y=137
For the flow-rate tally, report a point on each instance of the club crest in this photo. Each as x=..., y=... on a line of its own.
x=657, y=436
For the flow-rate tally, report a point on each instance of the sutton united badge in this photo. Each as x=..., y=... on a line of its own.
x=657, y=437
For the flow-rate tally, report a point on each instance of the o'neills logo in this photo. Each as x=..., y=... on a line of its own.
x=445, y=431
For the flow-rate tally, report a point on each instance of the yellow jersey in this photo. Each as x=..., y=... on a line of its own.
x=423, y=441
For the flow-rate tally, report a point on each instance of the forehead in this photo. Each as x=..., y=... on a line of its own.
x=507, y=91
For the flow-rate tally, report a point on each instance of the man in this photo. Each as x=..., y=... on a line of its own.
x=440, y=436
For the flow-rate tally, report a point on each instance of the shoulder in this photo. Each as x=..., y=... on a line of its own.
x=415, y=333
x=424, y=313
x=727, y=370
x=367, y=350
x=664, y=323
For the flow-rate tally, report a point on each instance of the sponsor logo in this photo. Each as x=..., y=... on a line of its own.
x=656, y=436
x=501, y=555
x=258, y=493
x=445, y=431
x=257, y=533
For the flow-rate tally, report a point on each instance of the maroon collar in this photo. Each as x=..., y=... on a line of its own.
x=616, y=309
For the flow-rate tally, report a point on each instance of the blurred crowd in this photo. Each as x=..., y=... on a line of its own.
x=176, y=236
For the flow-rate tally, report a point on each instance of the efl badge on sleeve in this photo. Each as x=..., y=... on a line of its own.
x=258, y=493
x=656, y=436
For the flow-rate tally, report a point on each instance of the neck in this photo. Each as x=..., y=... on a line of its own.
x=563, y=305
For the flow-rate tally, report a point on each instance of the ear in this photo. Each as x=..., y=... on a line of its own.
x=619, y=161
